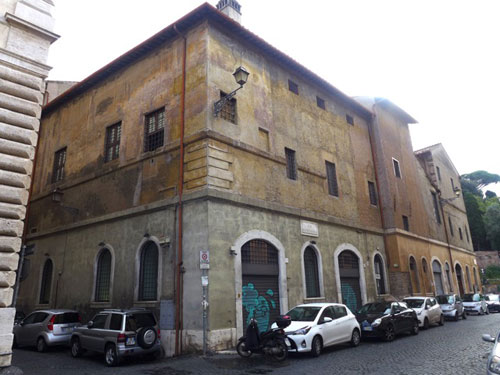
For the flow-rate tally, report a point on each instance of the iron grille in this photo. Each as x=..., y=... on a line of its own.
x=331, y=175
x=379, y=275
x=228, y=111
x=46, y=282
x=149, y=273
x=59, y=162
x=113, y=135
x=103, y=276
x=154, y=130
x=373, y=193
x=291, y=165
x=347, y=259
x=311, y=270
x=259, y=252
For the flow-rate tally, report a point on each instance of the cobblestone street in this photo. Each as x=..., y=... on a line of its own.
x=455, y=348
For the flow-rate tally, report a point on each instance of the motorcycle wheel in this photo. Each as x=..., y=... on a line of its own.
x=282, y=354
x=242, y=350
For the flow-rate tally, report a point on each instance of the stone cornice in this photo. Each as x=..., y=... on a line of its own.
x=19, y=22
x=24, y=64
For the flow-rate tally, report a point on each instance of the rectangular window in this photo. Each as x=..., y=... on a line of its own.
x=349, y=119
x=460, y=233
x=438, y=171
x=436, y=207
x=451, y=226
x=228, y=112
x=291, y=164
x=113, y=135
x=452, y=184
x=406, y=223
x=293, y=87
x=397, y=171
x=373, y=193
x=320, y=102
x=59, y=162
x=467, y=234
x=331, y=175
x=154, y=130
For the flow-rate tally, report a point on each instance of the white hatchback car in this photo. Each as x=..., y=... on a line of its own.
x=318, y=325
x=427, y=309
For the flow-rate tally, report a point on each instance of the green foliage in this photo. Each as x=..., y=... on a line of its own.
x=481, y=178
x=475, y=211
x=469, y=186
x=492, y=272
x=492, y=224
x=490, y=194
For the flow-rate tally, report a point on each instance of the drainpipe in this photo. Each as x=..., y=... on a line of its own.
x=179, y=271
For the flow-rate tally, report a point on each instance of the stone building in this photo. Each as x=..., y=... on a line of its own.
x=25, y=37
x=136, y=176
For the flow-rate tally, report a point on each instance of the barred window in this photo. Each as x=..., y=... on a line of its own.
x=347, y=259
x=113, y=135
x=373, y=193
x=291, y=164
x=379, y=274
x=406, y=223
x=259, y=252
x=228, y=112
x=148, y=278
x=312, y=274
x=59, y=162
x=46, y=282
x=154, y=130
x=103, y=277
x=331, y=175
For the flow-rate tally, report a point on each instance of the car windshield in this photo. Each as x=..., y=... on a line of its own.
x=376, y=308
x=445, y=300
x=414, y=303
x=471, y=297
x=303, y=313
x=493, y=297
x=137, y=321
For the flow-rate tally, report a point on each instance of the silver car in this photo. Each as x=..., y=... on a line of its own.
x=452, y=306
x=46, y=328
x=494, y=357
x=118, y=334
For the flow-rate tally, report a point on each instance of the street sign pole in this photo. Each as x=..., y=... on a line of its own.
x=204, y=266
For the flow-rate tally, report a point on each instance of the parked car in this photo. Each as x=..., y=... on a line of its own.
x=427, y=309
x=19, y=317
x=387, y=319
x=493, y=366
x=493, y=301
x=475, y=303
x=118, y=334
x=451, y=306
x=318, y=325
x=45, y=328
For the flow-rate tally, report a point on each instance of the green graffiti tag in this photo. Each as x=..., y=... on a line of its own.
x=258, y=307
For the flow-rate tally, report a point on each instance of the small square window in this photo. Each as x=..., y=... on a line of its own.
x=349, y=119
x=154, y=130
x=373, y=193
x=397, y=171
x=320, y=102
x=291, y=164
x=293, y=87
x=228, y=112
x=59, y=162
x=113, y=135
x=406, y=223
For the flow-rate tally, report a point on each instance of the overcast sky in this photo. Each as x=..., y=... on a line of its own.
x=438, y=60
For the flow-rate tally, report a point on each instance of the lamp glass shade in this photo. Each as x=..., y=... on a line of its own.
x=241, y=75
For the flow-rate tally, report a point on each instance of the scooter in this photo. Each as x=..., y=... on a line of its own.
x=272, y=342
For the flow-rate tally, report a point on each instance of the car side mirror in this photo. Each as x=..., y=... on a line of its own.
x=488, y=338
x=90, y=324
x=326, y=319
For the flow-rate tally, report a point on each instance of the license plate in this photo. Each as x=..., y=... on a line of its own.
x=130, y=341
x=367, y=328
x=287, y=342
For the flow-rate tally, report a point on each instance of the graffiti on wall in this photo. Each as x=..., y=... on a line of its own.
x=258, y=307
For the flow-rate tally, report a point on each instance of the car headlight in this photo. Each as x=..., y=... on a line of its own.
x=377, y=322
x=301, y=331
x=495, y=364
x=419, y=313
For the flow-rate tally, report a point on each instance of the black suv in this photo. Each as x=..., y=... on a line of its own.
x=118, y=334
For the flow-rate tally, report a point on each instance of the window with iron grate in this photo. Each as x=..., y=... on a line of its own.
x=103, y=276
x=45, y=287
x=154, y=130
x=331, y=175
x=373, y=193
x=228, y=111
x=291, y=164
x=59, y=162
x=406, y=223
x=379, y=274
x=347, y=259
x=259, y=252
x=312, y=274
x=148, y=278
x=113, y=135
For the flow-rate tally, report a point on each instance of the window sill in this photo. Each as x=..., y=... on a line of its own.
x=146, y=303
x=314, y=299
x=100, y=305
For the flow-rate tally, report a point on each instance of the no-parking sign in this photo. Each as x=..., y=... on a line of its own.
x=204, y=259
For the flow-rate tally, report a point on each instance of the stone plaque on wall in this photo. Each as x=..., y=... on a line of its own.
x=308, y=228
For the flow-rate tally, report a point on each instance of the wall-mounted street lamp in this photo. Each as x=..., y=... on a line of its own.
x=241, y=77
x=57, y=196
x=456, y=190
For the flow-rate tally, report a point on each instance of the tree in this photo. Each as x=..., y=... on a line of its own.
x=475, y=210
x=481, y=179
x=490, y=194
x=492, y=224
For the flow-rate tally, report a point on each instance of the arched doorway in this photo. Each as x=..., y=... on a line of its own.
x=350, y=279
x=260, y=278
x=458, y=271
x=438, y=280
x=415, y=282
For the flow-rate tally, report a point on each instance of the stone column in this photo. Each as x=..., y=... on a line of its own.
x=25, y=37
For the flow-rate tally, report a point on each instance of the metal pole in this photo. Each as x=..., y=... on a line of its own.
x=204, y=305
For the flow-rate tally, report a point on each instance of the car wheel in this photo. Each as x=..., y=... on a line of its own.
x=282, y=351
x=316, y=346
x=355, y=338
x=481, y=311
x=389, y=333
x=76, y=348
x=242, y=350
x=426, y=323
x=41, y=345
x=441, y=320
x=455, y=318
x=487, y=310
x=414, y=329
x=464, y=315
x=111, y=356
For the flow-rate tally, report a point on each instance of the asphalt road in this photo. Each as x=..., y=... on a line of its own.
x=455, y=348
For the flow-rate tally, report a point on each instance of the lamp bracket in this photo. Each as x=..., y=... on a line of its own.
x=219, y=104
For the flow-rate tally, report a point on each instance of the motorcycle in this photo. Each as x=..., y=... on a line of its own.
x=272, y=342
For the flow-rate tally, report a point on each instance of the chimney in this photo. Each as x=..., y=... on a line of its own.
x=230, y=8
